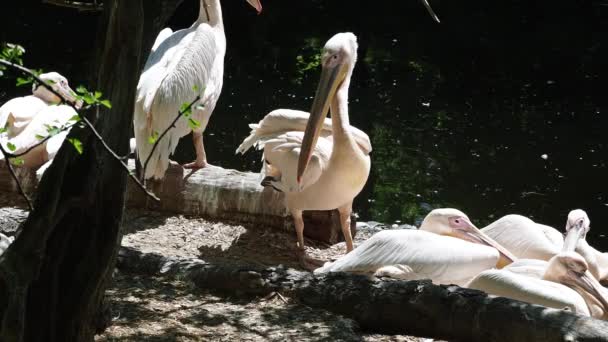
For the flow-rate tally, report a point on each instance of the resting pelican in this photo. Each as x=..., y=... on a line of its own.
x=577, y=227
x=525, y=238
x=50, y=116
x=17, y=113
x=435, y=251
x=181, y=65
x=322, y=176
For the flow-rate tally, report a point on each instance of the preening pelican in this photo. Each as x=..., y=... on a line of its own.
x=316, y=171
x=525, y=238
x=17, y=113
x=181, y=65
x=577, y=227
x=436, y=251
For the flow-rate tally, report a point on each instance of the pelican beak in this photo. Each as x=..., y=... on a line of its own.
x=331, y=78
x=256, y=4
x=589, y=284
x=430, y=9
x=574, y=233
x=473, y=234
x=69, y=95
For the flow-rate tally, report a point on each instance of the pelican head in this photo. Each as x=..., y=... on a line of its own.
x=337, y=63
x=59, y=84
x=455, y=223
x=577, y=227
x=256, y=4
x=571, y=269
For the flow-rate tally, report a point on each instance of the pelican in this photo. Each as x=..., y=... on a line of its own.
x=577, y=227
x=448, y=249
x=57, y=115
x=181, y=65
x=17, y=113
x=317, y=171
x=525, y=238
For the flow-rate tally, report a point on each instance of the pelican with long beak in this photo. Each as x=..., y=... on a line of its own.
x=327, y=165
x=435, y=251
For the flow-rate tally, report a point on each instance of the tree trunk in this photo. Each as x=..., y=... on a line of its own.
x=386, y=306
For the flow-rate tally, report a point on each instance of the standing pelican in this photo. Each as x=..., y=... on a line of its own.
x=322, y=176
x=436, y=251
x=17, y=113
x=181, y=65
x=525, y=238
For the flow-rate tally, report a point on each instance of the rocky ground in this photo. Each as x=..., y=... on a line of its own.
x=148, y=308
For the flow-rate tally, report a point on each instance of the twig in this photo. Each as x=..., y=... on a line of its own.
x=179, y=115
x=12, y=172
x=85, y=120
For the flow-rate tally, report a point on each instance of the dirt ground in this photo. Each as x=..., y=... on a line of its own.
x=158, y=309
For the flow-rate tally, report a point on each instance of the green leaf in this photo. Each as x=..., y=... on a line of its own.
x=23, y=81
x=52, y=130
x=195, y=88
x=17, y=161
x=77, y=144
x=75, y=118
x=40, y=137
x=3, y=130
x=89, y=99
x=97, y=94
x=81, y=89
x=153, y=138
x=193, y=123
x=11, y=146
x=186, y=109
x=106, y=103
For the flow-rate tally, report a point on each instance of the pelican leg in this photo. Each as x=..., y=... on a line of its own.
x=201, y=156
x=345, y=223
x=306, y=262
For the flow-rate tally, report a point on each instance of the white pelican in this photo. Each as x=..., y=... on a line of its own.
x=181, y=65
x=58, y=115
x=577, y=227
x=17, y=113
x=436, y=251
x=525, y=238
x=337, y=167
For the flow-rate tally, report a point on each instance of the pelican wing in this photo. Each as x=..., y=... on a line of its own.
x=523, y=237
x=421, y=254
x=17, y=113
x=162, y=35
x=176, y=72
x=528, y=289
x=281, y=121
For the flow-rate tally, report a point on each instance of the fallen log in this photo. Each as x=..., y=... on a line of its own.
x=214, y=193
x=385, y=306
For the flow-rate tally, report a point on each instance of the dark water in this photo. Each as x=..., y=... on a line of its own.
x=499, y=109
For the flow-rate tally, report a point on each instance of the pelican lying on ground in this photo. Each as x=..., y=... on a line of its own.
x=17, y=113
x=525, y=238
x=181, y=65
x=448, y=249
x=317, y=171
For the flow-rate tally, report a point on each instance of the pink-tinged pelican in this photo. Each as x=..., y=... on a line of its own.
x=17, y=113
x=181, y=65
x=525, y=238
x=315, y=170
x=448, y=249
x=577, y=227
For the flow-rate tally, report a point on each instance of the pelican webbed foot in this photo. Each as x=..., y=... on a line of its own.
x=308, y=263
x=270, y=181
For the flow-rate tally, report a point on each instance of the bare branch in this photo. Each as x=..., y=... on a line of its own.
x=160, y=137
x=42, y=141
x=12, y=172
x=86, y=121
